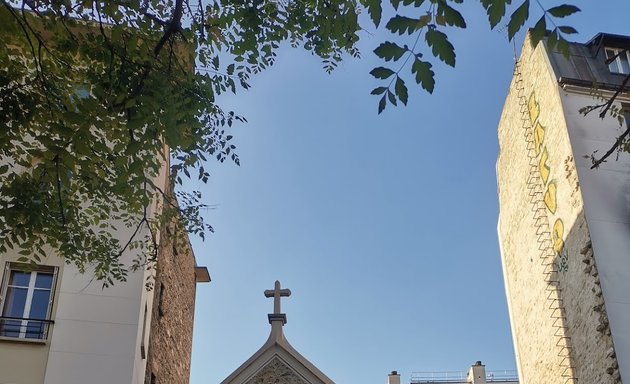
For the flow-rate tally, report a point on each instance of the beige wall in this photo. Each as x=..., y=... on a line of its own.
x=545, y=241
x=97, y=334
x=96, y=329
x=23, y=362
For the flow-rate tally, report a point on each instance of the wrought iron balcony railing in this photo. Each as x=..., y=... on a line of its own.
x=24, y=328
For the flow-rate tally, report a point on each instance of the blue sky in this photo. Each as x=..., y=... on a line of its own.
x=383, y=227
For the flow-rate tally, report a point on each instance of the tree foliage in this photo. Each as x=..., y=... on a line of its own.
x=431, y=26
x=91, y=92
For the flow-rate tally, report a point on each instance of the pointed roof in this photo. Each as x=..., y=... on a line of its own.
x=277, y=359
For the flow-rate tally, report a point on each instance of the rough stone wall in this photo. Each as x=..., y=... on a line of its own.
x=171, y=329
x=551, y=282
x=276, y=372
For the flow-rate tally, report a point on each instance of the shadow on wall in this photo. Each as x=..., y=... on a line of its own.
x=578, y=309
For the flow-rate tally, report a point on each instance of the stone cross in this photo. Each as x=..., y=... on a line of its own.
x=276, y=293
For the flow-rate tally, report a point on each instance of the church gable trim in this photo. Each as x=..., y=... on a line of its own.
x=278, y=351
x=287, y=355
x=276, y=370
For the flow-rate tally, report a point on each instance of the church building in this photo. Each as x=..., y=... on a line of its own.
x=277, y=362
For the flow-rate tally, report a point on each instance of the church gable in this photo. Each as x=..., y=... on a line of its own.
x=276, y=372
x=277, y=362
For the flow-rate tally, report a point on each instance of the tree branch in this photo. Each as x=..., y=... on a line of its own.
x=155, y=19
x=174, y=26
x=618, y=142
x=135, y=232
x=612, y=99
x=605, y=107
x=59, y=197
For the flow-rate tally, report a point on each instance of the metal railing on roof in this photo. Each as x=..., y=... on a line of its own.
x=460, y=377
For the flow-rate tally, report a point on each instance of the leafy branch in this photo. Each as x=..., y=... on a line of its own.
x=96, y=91
x=609, y=107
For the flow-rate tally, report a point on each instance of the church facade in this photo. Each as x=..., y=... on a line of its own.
x=564, y=221
x=277, y=362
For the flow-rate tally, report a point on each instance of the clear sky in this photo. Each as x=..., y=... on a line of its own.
x=383, y=227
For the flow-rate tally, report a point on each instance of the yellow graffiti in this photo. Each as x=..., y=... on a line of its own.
x=533, y=107
x=539, y=137
x=543, y=167
x=550, y=197
x=558, y=235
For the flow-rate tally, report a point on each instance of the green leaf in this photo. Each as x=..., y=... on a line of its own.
x=382, y=104
x=539, y=30
x=375, y=10
x=563, y=10
x=378, y=90
x=424, y=75
x=452, y=17
x=403, y=24
x=381, y=72
x=567, y=29
x=424, y=20
x=391, y=97
x=401, y=90
x=389, y=51
x=518, y=18
x=440, y=46
x=416, y=3
x=495, y=10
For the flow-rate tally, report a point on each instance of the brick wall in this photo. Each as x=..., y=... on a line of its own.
x=558, y=317
x=170, y=340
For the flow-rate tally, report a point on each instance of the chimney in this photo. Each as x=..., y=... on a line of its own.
x=476, y=374
x=393, y=378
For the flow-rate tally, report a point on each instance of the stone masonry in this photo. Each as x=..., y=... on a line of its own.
x=558, y=317
x=170, y=340
x=276, y=372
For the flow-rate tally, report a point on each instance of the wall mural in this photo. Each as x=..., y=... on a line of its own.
x=550, y=187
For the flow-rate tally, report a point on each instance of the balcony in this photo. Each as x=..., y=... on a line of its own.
x=24, y=329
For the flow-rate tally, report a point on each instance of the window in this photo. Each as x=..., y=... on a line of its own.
x=618, y=60
x=143, y=351
x=26, y=301
x=161, y=300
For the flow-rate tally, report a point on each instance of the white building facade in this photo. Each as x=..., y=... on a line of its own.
x=60, y=326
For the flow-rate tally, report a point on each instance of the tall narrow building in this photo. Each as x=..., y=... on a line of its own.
x=564, y=225
x=58, y=324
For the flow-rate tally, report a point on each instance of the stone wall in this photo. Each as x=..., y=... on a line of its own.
x=276, y=372
x=170, y=340
x=556, y=309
